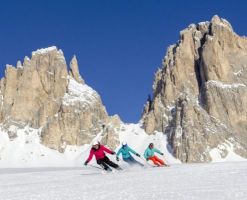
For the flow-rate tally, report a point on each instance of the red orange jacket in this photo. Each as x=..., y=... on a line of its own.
x=99, y=153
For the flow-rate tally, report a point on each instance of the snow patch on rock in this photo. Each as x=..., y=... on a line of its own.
x=80, y=93
x=216, y=153
x=239, y=73
x=44, y=50
x=222, y=85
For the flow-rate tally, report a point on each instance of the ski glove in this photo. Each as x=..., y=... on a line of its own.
x=117, y=158
x=138, y=155
x=85, y=163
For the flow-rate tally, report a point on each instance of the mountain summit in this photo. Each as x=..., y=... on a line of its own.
x=44, y=95
x=200, y=93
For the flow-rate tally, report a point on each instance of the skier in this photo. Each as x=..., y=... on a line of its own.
x=149, y=155
x=125, y=150
x=98, y=151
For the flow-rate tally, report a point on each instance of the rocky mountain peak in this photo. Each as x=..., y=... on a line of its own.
x=217, y=21
x=200, y=92
x=43, y=94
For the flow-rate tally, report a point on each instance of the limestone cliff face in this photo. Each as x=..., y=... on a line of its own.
x=43, y=94
x=200, y=93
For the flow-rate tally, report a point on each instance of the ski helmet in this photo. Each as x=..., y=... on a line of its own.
x=95, y=143
x=124, y=143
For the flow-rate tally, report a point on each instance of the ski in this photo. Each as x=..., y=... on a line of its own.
x=161, y=166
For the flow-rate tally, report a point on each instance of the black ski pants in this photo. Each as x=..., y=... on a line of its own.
x=104, y=162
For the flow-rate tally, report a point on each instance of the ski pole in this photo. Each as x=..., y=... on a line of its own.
x=166, y=163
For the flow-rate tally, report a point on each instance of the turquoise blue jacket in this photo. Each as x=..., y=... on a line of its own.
x=150, y=152
x=125, y=151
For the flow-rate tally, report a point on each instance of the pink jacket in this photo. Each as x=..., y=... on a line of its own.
x=98, y=153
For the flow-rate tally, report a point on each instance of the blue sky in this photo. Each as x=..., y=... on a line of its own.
x=119, y=43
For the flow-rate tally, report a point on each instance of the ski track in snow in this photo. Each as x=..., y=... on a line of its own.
x=215, y=181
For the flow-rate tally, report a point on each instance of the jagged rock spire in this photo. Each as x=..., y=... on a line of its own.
x=41, y=93
x=200, y=94
x=74, y=70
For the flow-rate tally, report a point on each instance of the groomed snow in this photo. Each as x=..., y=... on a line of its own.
x=218, y=181
x=50, y=175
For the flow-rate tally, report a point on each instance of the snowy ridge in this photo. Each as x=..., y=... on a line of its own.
x=204, y=23
x=222, y=85
x=80, y=93
x=224, y=23
x=44, y=50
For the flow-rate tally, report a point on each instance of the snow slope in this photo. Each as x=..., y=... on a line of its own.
x=137, y=138
x=26, y=151
x=224, y=85
x=215, y=181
